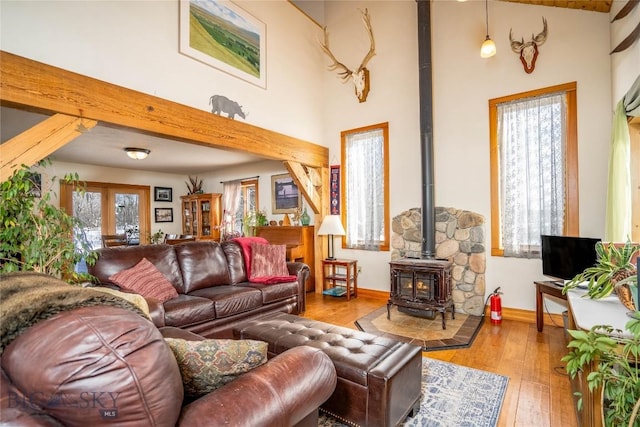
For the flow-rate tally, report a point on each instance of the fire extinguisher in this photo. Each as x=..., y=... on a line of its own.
x=496, y=307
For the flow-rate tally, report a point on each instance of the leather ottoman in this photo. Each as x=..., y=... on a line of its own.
x=379, y=379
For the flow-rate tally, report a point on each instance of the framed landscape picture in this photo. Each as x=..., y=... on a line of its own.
x=162, y=194
x=222, y=35
x=164, y=214
x=285, y=197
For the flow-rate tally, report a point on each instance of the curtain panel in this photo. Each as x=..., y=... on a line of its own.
x=231, y=192
x=532, y=150
x=364, y=190
x=619, y=207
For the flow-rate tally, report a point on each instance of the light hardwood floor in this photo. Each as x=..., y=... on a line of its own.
x=539, y=390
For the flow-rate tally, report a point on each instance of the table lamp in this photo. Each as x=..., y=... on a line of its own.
x=331, y=226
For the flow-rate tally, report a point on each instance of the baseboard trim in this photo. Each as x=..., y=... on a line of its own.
x=372, y=293
x=520, y=315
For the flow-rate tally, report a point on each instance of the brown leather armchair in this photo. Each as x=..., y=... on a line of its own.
x=105, y=365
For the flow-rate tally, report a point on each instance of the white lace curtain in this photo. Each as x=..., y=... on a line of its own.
x=364, y=156
x=231, y=192
x=532, y=141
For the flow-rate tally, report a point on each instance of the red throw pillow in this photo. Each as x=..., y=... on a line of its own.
x=268, y=261
x=145, y=279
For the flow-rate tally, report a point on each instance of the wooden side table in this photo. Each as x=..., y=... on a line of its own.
x=549, y=288
x=338, y=274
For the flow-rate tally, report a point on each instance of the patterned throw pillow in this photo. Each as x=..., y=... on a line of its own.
x=268, y=261
x=209, y=364
x=145, y=279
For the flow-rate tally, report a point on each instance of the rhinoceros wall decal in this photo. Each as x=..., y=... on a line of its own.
x=221, y=104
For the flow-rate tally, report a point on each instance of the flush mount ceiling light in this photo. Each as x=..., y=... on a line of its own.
x=488, y=48
x=137, y=153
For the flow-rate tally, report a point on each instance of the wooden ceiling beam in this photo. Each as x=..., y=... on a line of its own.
x=593, y=5
x=40, y=141
x=307, y=181
x=38, y=86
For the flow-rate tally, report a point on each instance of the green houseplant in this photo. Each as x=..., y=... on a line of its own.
x=252, y=220
x=616, y=368
x=613, y=271
x=37, y=236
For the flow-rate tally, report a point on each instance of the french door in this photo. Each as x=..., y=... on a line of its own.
x=106, y=208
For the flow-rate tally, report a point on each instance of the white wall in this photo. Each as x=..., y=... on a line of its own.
x=264, y=170
x=625, y=65
x=393, y=97
x=135, y=44
x=576, y=50
x=128, y=176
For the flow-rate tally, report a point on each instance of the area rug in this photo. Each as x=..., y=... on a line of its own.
x=422, y=331
x=452, y=395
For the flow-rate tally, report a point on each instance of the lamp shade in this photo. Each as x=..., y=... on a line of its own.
x=137, y=153
x=488, y=48
x=331, y=225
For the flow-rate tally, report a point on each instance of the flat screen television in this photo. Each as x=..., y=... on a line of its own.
x=563, y=257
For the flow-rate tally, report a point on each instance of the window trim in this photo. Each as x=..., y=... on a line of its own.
x=386, y=243
x=572, y=218
x=244, y=186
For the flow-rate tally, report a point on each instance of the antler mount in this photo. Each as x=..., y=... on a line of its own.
x=360, y=77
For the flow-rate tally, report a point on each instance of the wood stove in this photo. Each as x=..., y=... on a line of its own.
x=420, y=286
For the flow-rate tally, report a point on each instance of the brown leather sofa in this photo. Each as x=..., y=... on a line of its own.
x=105, y=365
x=211, y=281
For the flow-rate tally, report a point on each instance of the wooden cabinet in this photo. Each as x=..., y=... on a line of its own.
x=300, y=245
x=201, y=215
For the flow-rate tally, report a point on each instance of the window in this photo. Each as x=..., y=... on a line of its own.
x=248, y=201
x=239, y=199
x=365, y=187
x=534, y=169
x=105, y=208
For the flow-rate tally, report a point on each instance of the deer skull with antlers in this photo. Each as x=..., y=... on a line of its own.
x=529, y=51
x=360, y=77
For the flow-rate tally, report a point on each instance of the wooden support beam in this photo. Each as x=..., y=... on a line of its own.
x=38, y=86
x=303, y=178
x=40, y=141
x=321, y=245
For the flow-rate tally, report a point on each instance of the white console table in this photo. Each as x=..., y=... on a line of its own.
x=588, y=312
x=584, y=314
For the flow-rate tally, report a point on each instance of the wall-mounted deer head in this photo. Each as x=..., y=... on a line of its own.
x=529, y=51
x=360, y=76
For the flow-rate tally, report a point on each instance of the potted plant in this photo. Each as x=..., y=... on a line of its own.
x=37, y=236
x=157, y=237
x=616, y=368
x=252, y=220
x=613, y=271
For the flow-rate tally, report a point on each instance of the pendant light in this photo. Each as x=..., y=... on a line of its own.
x=488, y=48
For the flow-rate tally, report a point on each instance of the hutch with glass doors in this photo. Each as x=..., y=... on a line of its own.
x=201, y=215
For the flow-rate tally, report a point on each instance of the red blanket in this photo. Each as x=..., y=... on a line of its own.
x=245, y=245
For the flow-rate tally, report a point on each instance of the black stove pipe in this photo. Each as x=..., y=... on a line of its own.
x=425, y=75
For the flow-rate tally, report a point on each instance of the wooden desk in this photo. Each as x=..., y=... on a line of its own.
x=549, y=288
